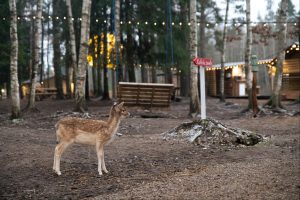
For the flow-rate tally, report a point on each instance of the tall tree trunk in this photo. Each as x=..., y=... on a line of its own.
x=68, y=65
x=42, y=54
x=95, y=54
x=223, y=60
x=36, y=52
x=194, y=100
x=118, y=41
x=105, y=94
x=169, y=44
x=87, y=87
x=56, y=50
x=280, y=49
x=248, y=68
x=105, y=71
x=14, y=82
x=129, y=43
x=82, y=62
x=99, y=74
x=72, y=45
x=48, y=45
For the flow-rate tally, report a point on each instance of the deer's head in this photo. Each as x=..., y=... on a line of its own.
x=119, y=110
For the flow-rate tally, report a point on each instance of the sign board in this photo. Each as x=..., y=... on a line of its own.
x=202, y=62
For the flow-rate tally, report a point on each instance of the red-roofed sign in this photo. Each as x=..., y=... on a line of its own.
x=202, y=62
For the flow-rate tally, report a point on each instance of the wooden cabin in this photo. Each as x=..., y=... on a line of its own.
x=291, y=73
x=46, y=83
x=235, y=82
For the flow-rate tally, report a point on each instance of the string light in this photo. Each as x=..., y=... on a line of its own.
x=155, y=23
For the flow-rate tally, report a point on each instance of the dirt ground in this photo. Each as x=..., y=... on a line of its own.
x=142, y=165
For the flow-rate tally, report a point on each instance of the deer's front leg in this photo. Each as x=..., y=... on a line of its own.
x=100, y=155
x=59, y=149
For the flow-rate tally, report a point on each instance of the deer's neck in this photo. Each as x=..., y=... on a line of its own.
x=113, y=120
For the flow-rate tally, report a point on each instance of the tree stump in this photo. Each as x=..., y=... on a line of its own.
x=209, y=132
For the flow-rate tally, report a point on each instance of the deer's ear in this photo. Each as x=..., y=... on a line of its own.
x=121, y=104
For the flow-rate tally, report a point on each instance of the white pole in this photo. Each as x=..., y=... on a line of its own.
x=202, y=91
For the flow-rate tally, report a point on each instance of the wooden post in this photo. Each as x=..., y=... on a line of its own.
x=202, y=93
x=254, y=83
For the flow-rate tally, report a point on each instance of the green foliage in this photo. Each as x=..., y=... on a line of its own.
x=4, y=43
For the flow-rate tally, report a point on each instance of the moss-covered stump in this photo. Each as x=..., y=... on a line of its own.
x=209, y=132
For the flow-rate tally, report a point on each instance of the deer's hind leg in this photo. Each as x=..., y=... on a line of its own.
x=103, y=163
x=59, y=149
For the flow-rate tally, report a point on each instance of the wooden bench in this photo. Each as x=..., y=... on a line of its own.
x=145, y=94
x=42, y=93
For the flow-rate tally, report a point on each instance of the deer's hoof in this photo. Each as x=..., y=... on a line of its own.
x=57, y=172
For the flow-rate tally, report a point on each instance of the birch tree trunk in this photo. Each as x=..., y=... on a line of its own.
x=72, y=44
x=194, y=100
x=275, y=100
x=223, y=60
x=14, y=82
x=36, y=52
x=82, y=59
x=248, y=68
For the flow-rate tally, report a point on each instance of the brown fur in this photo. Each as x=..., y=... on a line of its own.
x=87, y=131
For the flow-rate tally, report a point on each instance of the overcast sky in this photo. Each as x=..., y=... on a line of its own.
x=257, y=7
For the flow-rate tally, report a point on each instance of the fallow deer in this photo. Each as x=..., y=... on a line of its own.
x=98, y=133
